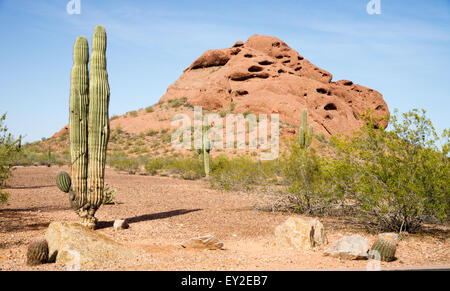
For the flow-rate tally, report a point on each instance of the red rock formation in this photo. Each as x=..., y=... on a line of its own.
x=264, y=75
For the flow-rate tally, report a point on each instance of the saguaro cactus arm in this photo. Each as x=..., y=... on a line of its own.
x=79, y=102
x=98, y=121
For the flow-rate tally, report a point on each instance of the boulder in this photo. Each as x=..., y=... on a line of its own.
x=120, y=224
x=301, y=233
x=72, y=243
x=208, y=242
x=353, y=247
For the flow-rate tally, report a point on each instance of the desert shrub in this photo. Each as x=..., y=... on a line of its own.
x=152, y=166
x=305, y=173
x=239, y=173
x=149, y=109
x=189, y=168
x=175, y=103
x=9, y=151
x=397, y=177
x=151, y=132
x=120, y=161
x=223, y=113
x=133, y=113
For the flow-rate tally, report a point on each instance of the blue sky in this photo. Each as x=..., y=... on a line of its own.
x=404, y=53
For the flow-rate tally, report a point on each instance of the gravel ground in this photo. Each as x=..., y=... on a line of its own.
x=163, y=212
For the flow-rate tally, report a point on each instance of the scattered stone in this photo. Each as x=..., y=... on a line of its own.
x=390, y=236
x=37, y=253
x=120, y=224
x=208, y=242
x=301, y=233
x=72, y=243
x=353, y=247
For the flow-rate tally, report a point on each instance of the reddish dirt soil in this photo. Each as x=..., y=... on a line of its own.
x=163, y=212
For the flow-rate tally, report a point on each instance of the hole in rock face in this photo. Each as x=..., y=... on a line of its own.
x=242, y=92
x=356, y=115
x=328, y=117
x=321, y=91
x=298, y=69
x=286, y=61
x=235, y=51
x=255, y=69
x=300, y=58
x=276, y=44
x=249, y=56
x=330, y=106
x=379, y=107
x=279, y=57
x=281, y=71
x=348, y=83
x=265, y=63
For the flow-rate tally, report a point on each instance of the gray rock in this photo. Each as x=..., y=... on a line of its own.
x=120, y=224
x=72, y=243
x=353, y=247
x=208, y=242
x=301, y=233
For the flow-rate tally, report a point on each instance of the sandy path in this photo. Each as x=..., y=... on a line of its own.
x=163, y=212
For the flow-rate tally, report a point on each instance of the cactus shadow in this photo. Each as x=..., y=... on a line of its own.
x=147, y=217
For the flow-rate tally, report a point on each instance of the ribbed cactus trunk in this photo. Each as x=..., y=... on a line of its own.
x=305, y=136
x=79, y=106
x=98, y=123
x=206, y=150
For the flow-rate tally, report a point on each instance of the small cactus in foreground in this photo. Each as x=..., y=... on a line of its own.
x=37, y=252
x=383, y=249
x=63, y=182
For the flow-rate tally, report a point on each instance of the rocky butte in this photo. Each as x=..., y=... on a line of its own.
x=265, y=76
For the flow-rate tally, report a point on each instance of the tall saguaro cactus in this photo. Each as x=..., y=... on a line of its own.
x=98, y=121
x=79, y=106
x=305, y=137
x=89, y=126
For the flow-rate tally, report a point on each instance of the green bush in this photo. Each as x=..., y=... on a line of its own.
x=121, y=162
x=305, y=173
x=149, y=109
x=398, y=177
x=240, y=173
x=9, y=151
x=152, y=166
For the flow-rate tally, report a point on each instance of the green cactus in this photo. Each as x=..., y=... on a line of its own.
x=383, y=249
x=79, y=107
x=37, y=252
x=98, y=123
x=207, y=146
x=89, y=126
x=63, y=182
x=305, y=137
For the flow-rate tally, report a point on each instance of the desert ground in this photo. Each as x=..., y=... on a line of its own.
x=163, y=212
